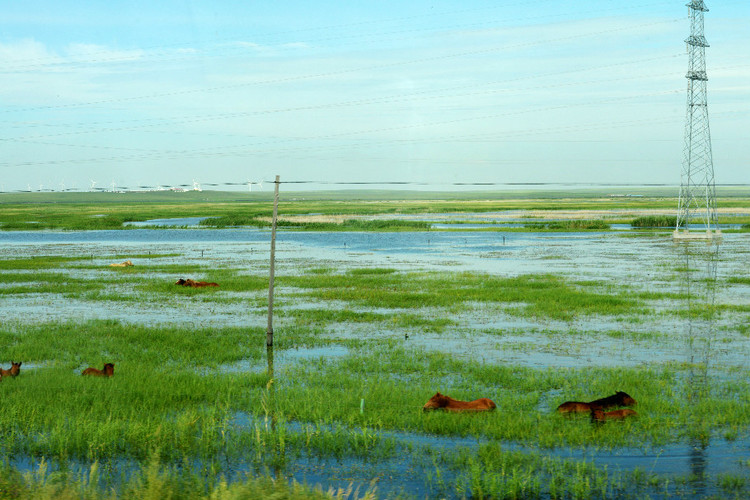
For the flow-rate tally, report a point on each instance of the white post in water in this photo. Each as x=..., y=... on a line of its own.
x=269, y=330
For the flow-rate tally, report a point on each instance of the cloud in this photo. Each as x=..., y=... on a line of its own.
x=93, y=53
x=25, y=53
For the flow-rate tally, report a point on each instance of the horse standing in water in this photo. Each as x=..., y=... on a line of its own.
x=443, y=402
x=618, y=399
x=15, y=369
x=108, y=371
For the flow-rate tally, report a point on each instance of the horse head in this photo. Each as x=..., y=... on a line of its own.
x=435, y=402
x=625, y=399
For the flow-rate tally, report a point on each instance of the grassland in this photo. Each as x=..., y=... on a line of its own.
x=190, y=406
x=206, y=411
x=84, y=211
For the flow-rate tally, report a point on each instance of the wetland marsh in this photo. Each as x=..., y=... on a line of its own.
x=368, y=325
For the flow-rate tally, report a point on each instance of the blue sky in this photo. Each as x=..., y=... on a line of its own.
x=144, y=93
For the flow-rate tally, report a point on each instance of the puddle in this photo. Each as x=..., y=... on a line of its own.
x=176, y=222
x=284, y=356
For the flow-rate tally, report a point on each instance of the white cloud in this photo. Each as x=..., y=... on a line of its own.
x=93, y=53
x=24, y=54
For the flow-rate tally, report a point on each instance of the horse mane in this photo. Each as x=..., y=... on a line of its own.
x=442, y=400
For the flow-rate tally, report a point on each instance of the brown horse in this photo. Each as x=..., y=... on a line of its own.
x=598, y=415
x=127, y=263
x=443, y=402
x=617, y=399
x=15, y=369
x=194, y=284
x=108, y=371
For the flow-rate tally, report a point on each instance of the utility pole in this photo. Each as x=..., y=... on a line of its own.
x=697, y=198
x=269, y=330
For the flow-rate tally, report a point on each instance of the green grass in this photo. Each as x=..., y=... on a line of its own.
x=570, y=225
x=528, y=295
x=396, y=320
x=359, y=225
x=41, y=262
x=97, y=211
x=155, y=481
x=44, y=262
x=659, y=221
x=178, y=390
x=234, y=220
x=159, y=370
x=46, y=282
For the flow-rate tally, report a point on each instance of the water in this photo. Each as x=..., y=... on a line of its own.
x=183, y=221
x=648, y=263
x=643, y=263
x=403, y=470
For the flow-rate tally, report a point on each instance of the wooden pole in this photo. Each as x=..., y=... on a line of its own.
x=269, y=330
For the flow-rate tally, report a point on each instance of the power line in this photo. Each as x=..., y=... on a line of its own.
x=54, y=61
x=410, y=97
x=376, y=67
x=233, y=150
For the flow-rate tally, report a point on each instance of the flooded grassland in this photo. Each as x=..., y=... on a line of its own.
x=368, y=326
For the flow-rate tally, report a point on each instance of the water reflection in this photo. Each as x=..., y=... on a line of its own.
x=269, y=405
x=699, y=268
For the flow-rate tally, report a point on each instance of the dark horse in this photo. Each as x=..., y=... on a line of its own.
x=443, y=402
x=108, y=371
x=194, y=284
x=15, y=369
x=618, y=399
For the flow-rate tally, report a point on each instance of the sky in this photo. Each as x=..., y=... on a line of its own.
x=423, y=94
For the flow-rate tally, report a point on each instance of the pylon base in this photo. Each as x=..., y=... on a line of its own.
x=702, y=235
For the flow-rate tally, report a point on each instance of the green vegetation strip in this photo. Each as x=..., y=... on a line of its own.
x=529, y=295
x=570, y=225
x=655, y=222
x=106, y=211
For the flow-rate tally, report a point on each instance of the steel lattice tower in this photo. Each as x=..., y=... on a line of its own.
x=697, y=199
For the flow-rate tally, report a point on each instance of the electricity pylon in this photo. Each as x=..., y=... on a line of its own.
x=697, y=200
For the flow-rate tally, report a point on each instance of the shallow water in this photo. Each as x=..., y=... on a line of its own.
x=603, y=256
x=645, y=263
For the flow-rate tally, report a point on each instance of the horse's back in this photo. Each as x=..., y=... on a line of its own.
x=482, y=404
x=617, y=399
x=620, y=414
x=443, y=402
x=574, y=407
